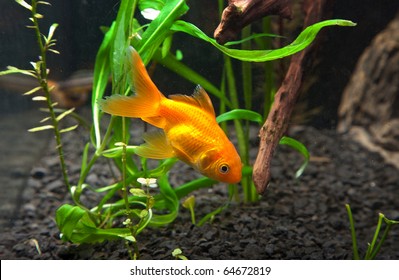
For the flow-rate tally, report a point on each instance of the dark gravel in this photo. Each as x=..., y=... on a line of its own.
x=301, y=218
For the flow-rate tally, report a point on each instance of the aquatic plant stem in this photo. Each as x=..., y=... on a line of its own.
x=96, y=155
x=248, y=189
x=376, y=233
x=42, y=78
x=247, y=85
x=270, y=89
x=373, y=252
x=125, y=191
x=353, y=233
x=384, y=236
x=248, y=97
x=246, y=70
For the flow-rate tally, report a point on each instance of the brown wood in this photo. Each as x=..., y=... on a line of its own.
x=240, y=13
x=285, y=98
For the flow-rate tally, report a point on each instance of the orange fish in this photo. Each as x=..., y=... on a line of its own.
x=189, y=128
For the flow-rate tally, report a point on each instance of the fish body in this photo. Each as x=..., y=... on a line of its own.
x=189, y=128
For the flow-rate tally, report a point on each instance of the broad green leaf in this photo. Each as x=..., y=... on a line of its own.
x=76, y=226
x=120, y=42
x=240, y=114
x=159, y=28
x=301, y=42
x=67, y=216
x=298, y=146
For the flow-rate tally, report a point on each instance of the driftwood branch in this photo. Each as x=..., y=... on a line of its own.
x=240, y=13
x=285, y=98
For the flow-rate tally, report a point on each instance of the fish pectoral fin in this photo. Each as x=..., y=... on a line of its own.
x=156, y=146
x=184, y=156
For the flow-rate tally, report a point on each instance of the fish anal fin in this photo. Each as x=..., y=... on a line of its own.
x=199, y=99
x=156, y=146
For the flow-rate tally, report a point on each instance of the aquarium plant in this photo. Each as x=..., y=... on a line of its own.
x=130, y=204
x=374, y=247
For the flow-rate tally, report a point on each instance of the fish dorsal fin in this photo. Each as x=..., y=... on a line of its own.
x=156, y=146
x=199, y=99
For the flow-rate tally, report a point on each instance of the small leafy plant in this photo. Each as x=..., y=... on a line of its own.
x=40, y=72
x=373, y=248
x=131, y=203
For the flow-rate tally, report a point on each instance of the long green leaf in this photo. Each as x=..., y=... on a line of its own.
x=254, y=36
x=117, y=151
x=240, y=114
x=171, y=203
x=84, y=158
x=298, y=146
x=121, y=41
x=102, y=71
x=301, y=42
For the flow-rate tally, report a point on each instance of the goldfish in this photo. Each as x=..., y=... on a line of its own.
x=188, y=127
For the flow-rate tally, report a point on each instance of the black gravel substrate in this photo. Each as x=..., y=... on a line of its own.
x=301, y=218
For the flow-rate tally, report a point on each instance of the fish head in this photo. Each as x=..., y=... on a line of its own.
x=223, y=165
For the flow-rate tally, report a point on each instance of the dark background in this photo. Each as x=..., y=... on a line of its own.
x=79, y=37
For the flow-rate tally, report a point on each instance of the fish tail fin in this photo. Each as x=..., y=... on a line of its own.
x=146, y=101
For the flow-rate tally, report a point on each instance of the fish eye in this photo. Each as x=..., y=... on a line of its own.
x=224, y=168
